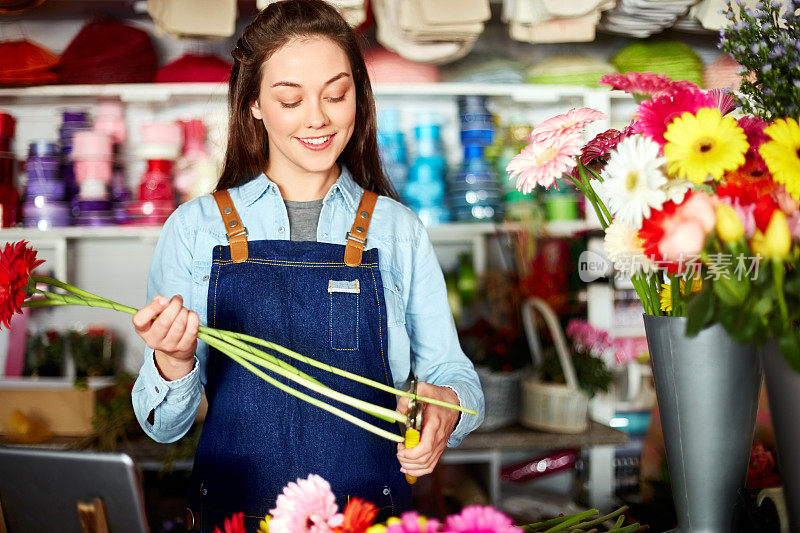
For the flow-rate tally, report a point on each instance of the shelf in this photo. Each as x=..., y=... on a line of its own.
x=31, y=383
x=520, y=438
x=445, y=233
x=163, y=92
x=81, y=232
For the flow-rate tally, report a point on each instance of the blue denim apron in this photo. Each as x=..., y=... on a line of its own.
x=257, y=438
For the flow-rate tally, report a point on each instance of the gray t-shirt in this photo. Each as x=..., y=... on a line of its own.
x=303, y=219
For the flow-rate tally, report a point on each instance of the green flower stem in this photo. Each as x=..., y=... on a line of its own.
x=67, y=287
x=675, y=294
x=68, y=299
x=626, y=529
x=643, y=291
x=388, y=415
x=595, y=174
x=595, y=199
x=592, y=199
x=544, y=523
x=342, y=373
x=779, y=274
x=572, y=520
x=216, y=343
x=619, y=522
x=602, y=519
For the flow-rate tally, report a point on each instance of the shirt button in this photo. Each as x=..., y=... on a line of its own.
x=397, y=288
x=205, y=278
x=325, y=235
x=280, y=230
x=386, y=491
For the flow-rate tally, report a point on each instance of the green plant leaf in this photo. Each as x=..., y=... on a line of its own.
x=699, y=310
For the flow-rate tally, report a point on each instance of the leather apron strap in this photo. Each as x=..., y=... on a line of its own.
x=236, y=232
x=357, y=236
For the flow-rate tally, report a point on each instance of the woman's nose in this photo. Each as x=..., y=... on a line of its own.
x=316, y=117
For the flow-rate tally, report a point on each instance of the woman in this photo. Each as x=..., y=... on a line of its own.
x=295, y=249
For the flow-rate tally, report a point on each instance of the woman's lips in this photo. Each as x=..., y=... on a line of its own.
x=317, y=146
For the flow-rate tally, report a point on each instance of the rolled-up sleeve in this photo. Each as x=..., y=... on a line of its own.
x=437, y=355
x=166, y=409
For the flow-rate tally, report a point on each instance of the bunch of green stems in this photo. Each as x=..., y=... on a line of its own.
x=241, y=349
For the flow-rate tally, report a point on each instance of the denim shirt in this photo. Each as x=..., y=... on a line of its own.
x=420, y=322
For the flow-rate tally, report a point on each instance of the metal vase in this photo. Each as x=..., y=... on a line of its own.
x=707, y=389
x=783, y=391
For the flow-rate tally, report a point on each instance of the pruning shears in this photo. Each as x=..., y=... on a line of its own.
x=413, y=422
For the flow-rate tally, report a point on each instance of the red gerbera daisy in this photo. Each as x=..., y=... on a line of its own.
x=358, y=516
x=654, y=116
x=17, y=262
x=234, y=524
x=765, y=207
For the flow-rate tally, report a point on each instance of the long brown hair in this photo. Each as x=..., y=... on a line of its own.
x=247, y=152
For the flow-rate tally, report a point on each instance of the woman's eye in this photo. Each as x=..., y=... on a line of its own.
x=339, y=99
x=290, y=104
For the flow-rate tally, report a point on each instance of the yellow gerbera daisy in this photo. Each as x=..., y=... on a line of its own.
x=704, y=145
x=782, y=153
x=666, y=292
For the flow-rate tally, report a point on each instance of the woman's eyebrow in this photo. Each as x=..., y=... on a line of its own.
x=294, y=84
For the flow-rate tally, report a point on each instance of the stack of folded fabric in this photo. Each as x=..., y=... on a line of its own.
x=23, y=62
x=709, y=13
x=194, y=68
x=384, y=66
x=569, y=70
x=673, y=59
x=484, y=68
x=353, y=11
x=643, y=18
x=108, y=51
x=193, y=18
x=430, y=32
x=554, y=21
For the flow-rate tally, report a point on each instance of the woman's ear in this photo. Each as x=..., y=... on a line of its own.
x=255, y=110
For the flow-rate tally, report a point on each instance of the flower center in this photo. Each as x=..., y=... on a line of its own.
x=798, y=153
x=631, y=180
x=705, y=145
x=546, y=156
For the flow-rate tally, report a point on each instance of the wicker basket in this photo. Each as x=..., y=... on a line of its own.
x=551, y=406
x=501, y=397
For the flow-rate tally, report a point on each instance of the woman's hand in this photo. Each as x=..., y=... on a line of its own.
x=171, y=330
x=437, y=425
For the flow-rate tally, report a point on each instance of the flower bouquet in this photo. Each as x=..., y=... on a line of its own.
x=700, y=209
x=19, y=288
x=309, y=506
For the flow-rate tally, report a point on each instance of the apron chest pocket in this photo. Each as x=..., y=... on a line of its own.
x=344, y=314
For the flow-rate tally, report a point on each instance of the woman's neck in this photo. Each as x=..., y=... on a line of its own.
x=303, y=186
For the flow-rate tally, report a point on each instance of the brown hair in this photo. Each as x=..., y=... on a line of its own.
x=247, y=152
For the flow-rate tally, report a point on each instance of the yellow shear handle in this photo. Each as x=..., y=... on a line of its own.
x=412, y=439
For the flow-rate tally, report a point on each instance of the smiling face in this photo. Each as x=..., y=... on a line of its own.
x=307, y=103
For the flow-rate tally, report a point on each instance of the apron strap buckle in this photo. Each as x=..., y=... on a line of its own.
x=357, y=236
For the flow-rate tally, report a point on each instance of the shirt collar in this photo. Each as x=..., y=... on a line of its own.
x=347, y=187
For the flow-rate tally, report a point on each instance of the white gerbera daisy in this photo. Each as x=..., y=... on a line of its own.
x=676, y=189
x=624, y=248
x=633, y=181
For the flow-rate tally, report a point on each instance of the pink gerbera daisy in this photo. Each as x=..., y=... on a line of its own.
x=411, y=522
x=645, y=84
x=541, y=163
x=570, y=123
x=654, y=116
x=307, y=506
x=480, y=519
x=723, y=100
